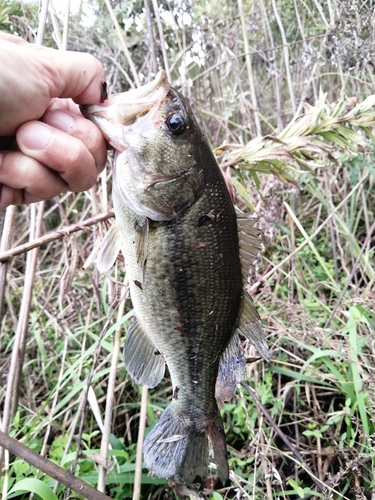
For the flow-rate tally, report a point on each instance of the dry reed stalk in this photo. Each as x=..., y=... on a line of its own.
x=54, y=235
x=141, y=435
x=286, y=57
x=64, y=45
x=50, y=468
x=15, y=370
x=104, y=445
x=162, y=40
x=249, y=67
x=123, y=43
x=151, y=38
x=272, y=62
x=307, y=240
x=6, y=242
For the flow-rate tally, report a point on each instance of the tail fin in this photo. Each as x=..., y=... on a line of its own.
x=178, y=447
x=217, y=438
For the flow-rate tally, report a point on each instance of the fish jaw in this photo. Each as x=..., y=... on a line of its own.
x=126, y=109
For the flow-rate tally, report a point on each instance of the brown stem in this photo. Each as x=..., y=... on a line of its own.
x=154, y=62
x=55, y=235
x=280, y=433
x=6, y=242
x=51, y=469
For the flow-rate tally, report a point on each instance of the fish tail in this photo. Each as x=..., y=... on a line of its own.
x=217, y=438
x=178, y=447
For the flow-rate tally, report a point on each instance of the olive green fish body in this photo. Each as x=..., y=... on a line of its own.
x=182, y=250
x=187, y=298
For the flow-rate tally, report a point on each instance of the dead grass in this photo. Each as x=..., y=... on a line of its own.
x=314, y=284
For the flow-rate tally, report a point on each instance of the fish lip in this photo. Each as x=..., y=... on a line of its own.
x=128, y=106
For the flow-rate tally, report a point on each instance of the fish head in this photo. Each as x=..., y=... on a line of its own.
x=158, y=172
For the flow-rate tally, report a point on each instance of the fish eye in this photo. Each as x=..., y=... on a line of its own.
x=176, y=124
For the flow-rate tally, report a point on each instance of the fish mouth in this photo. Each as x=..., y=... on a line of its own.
x=128, y=106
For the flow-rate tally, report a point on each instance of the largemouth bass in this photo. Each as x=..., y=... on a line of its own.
x=183, y=245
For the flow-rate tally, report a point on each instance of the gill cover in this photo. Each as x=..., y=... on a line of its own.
x=157, y=172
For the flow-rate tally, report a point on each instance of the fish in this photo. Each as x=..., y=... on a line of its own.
x=187, y=253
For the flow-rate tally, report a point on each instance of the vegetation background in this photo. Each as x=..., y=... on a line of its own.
x=284, y=91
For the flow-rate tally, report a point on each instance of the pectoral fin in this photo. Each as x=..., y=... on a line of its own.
x=109, y=249
x=250, y=325
x=142, y=360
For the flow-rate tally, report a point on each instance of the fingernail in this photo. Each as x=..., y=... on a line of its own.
x=35, y=135
x=61, y=120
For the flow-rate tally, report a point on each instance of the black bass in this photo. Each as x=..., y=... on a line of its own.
x=183, y=246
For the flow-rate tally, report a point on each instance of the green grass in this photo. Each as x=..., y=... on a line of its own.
x=317, y=194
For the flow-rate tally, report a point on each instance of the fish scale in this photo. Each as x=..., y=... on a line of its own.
x=185, y=250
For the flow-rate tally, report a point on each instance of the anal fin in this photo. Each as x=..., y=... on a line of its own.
x=143, y=362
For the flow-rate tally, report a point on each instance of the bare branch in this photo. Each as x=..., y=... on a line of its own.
x=55, y=235
x=51, y=469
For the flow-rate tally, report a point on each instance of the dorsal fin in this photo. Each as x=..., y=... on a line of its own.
x=250, y=243
x=109, y=249
x=250, y=325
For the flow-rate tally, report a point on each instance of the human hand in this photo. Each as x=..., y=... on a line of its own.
x=46, y=145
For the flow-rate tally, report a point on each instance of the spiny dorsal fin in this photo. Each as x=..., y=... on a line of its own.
x=109, y=249
x=250, y=325
x=142, y=360
x=250, y=242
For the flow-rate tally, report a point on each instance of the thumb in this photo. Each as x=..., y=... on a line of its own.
x=77, y=75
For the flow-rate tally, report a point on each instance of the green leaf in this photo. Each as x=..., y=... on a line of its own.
x=300, y=492
x=34, y=486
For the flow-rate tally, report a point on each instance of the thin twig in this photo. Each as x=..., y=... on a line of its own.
x=123, y=43
x=18, y=350
x=307, y=240
x=162, y=39
x=6, y=241
x=51, y=469
x=42, y=22
x=141, y=435
x=151, y=38
x=66, y=26
x=349, y=280
x=85, y=397
x=104, y=445
x=55, y=235
x=280, y=433
x=286, y=57
x=249, y=67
